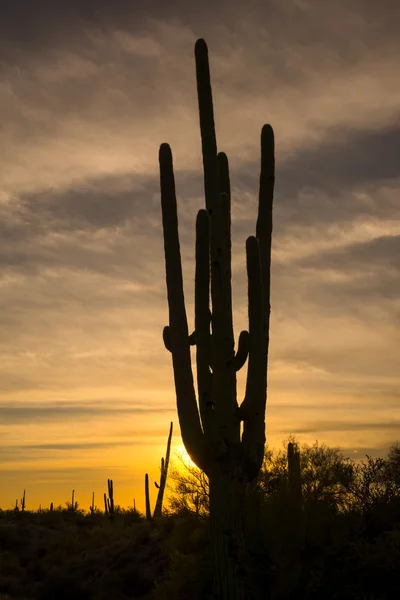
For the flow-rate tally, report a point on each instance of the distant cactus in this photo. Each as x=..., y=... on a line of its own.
x=147, y=497
x=51, y=507
x=23, y=501
x=211, y=429
x=294, y=474
x=109, y=502
x=92, y=507
x=163, y=477
x=73, y=505
x=160, y=486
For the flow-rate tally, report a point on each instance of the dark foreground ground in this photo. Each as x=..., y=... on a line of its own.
x=67, y=555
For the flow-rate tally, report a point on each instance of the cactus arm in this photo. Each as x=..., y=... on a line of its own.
x=242, y=351
x=189, y=417
x=202, y=319
x=254, y=424
x=264, y=230
x=225, y=200
x=207, y=126
x=217, y=203
x=167, y=338
x=264, y=219
x=264, y=236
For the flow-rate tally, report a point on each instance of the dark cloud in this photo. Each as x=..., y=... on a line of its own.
x=58, y=411
x=26, y=449
x=334, y=169
x=325, y=426
x=61, y=474
x=337, y=180
x=379, y=254
x=49, y=20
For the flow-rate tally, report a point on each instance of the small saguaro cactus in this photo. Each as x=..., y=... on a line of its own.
x=109, y=502
x=160, y=486
x=163, y=477
x=92, y=507
x=23, y=501
x=294, y=474
x=230, y=453
x=73, y=506
x=51, y=507
x=147, y=497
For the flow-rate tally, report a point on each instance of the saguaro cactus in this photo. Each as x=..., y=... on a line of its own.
x=92, y=506
x=109, y=502
x=147, y=496
x=160, y=486
x=294, y=474
x=163, y=477
x=211, y=429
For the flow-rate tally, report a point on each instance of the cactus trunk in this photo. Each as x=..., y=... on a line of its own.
x=227, y=495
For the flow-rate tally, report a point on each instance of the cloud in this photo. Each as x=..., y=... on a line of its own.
x=28, y=413
x=321, y=427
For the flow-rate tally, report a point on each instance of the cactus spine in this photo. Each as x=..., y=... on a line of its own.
x=211, y=430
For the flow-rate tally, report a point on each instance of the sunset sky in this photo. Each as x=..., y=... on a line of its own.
x=88, y=92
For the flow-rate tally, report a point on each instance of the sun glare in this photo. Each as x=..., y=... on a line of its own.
x=184, y=456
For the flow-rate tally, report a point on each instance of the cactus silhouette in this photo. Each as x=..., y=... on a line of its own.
x=211, y=430
x=163, y=477
x=160, y=486
x=294, y=474
x=109, y=502
x=147, y=496
x=92, y=507
x=105, y=505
